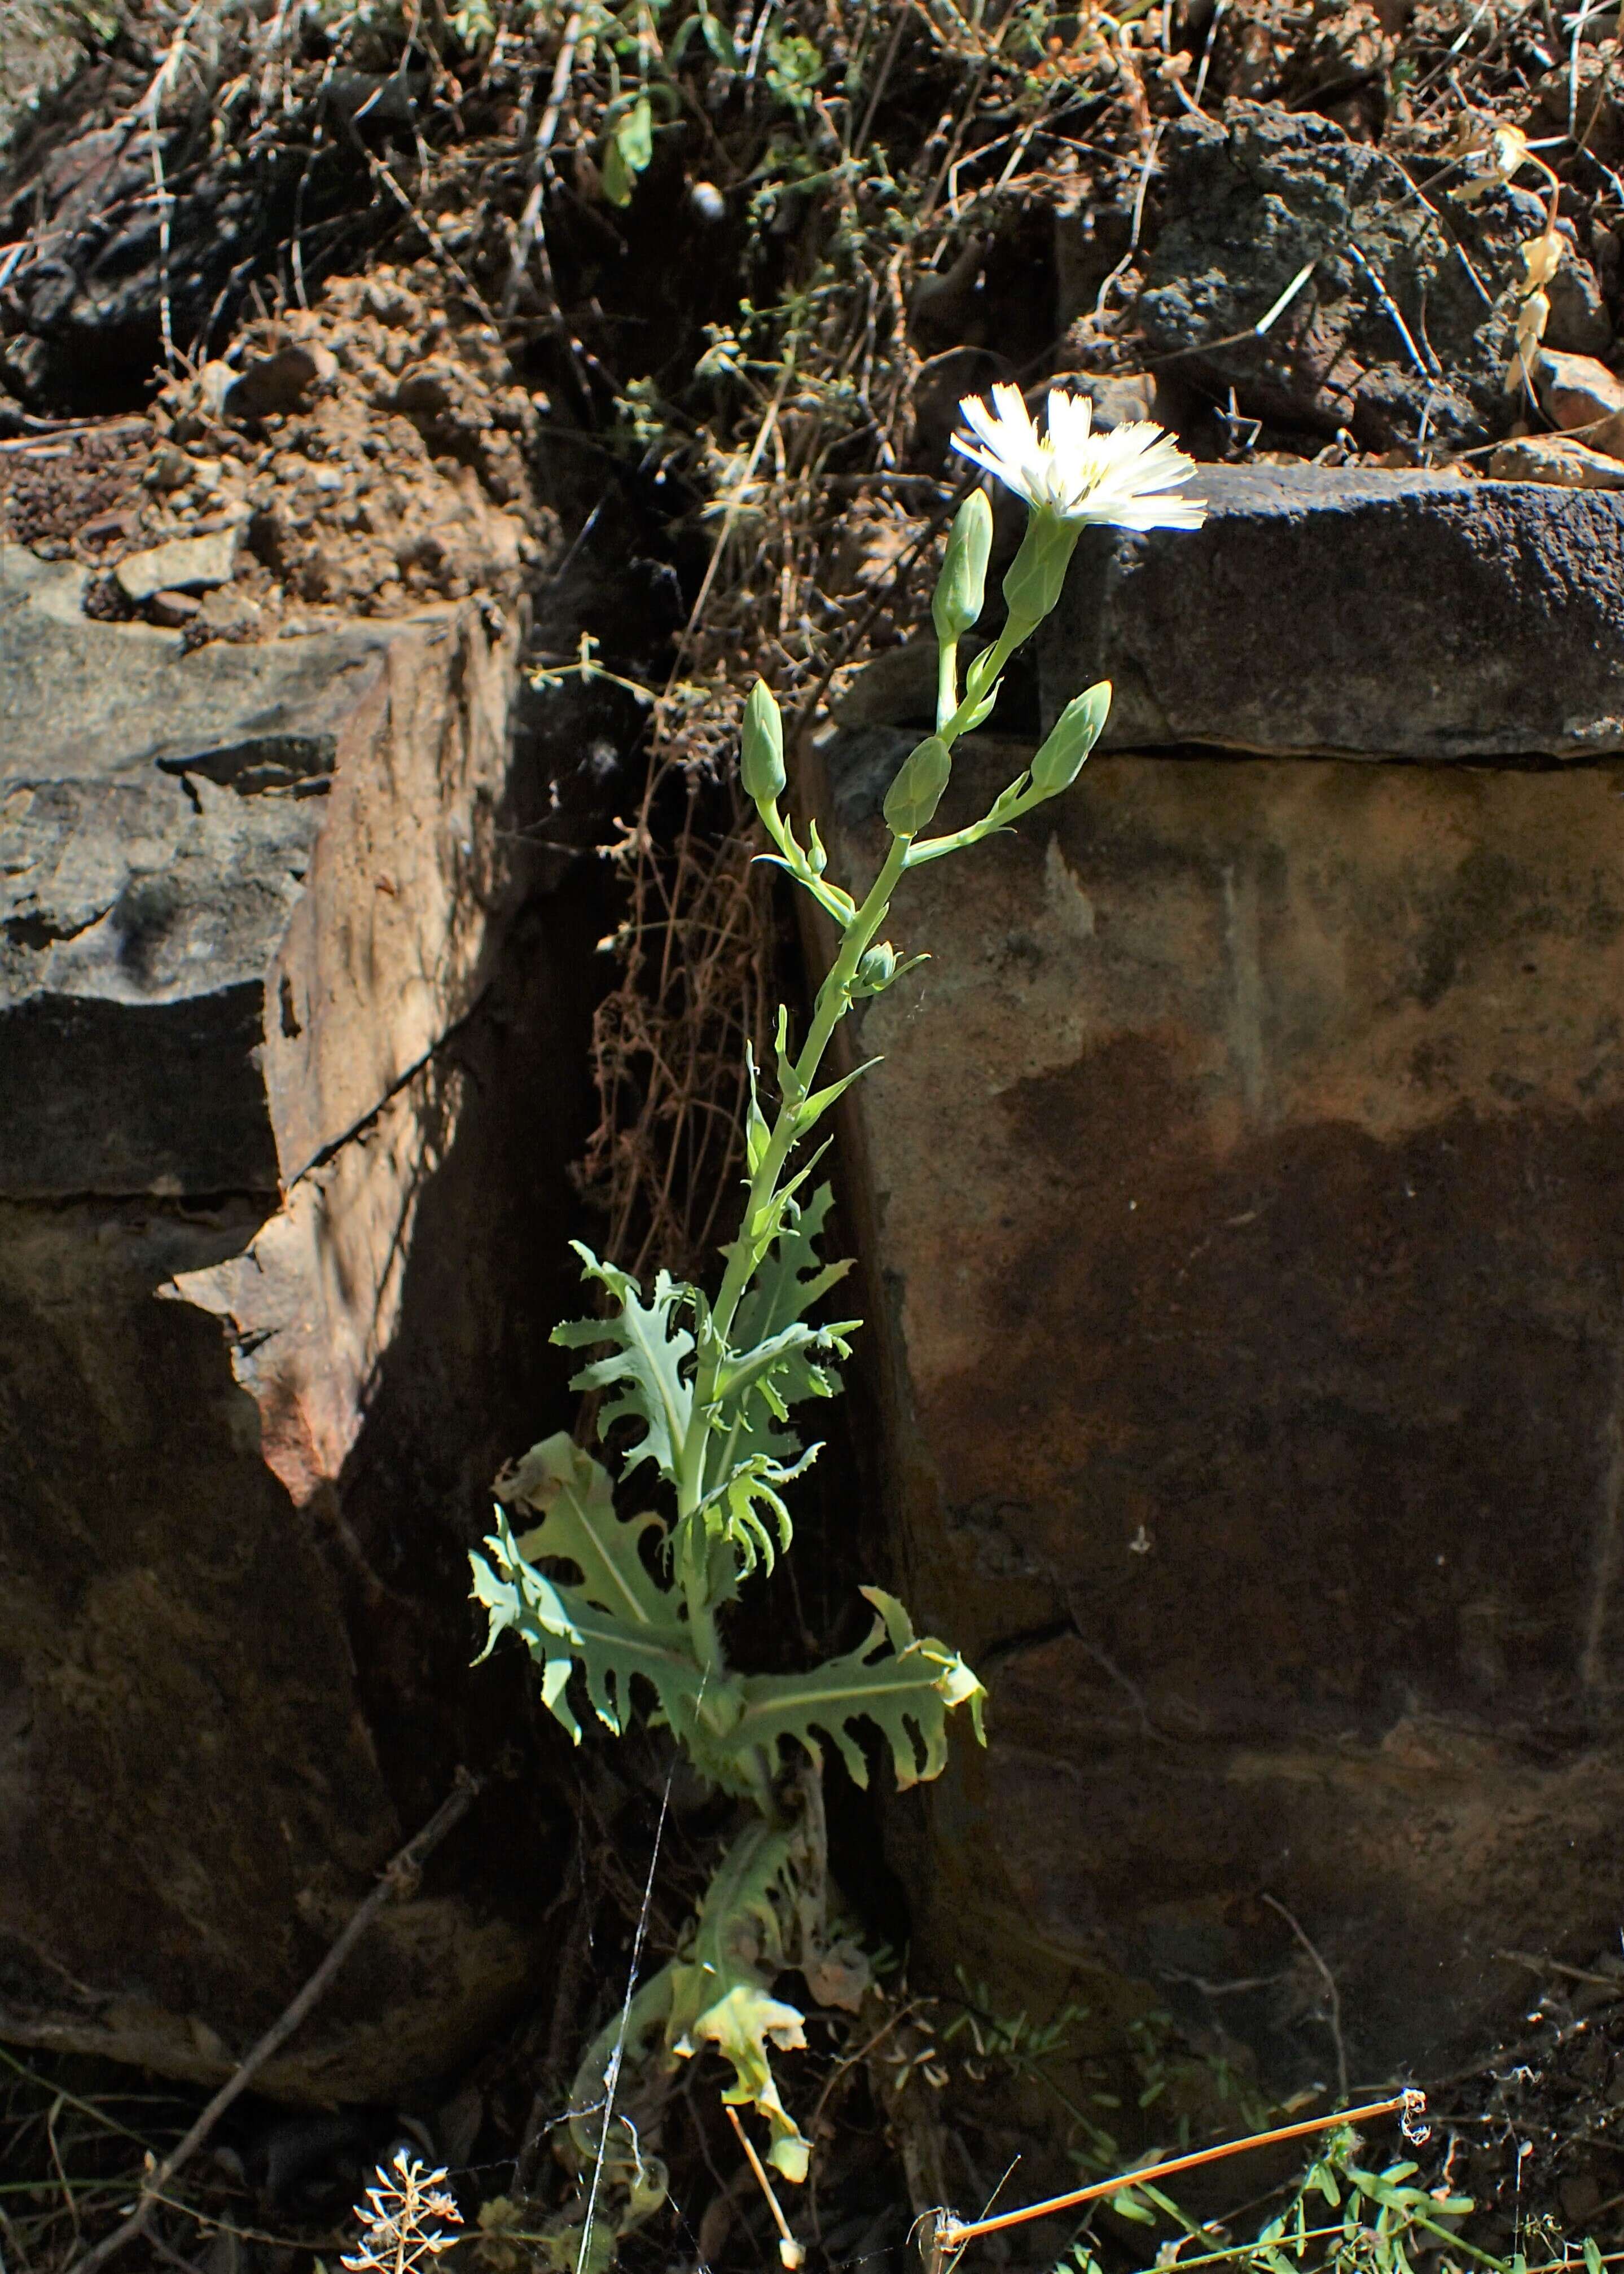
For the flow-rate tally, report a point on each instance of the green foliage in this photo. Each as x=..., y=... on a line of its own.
x=615, y=1622
x=906, y=1685
x=617, y=1625
x=721, y=1987
x=763, y=1912
x=794, y=69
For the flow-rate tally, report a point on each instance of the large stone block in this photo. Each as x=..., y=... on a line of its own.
x=1356, y=612
x=1241, y=1202
x=1347, y=612
x=282, y=1006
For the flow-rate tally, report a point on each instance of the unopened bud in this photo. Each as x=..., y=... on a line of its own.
x=913, y=798
x=1074, y=734
x=761, y=758
x=1035, y=576
x=877, y=970
x=961, y=588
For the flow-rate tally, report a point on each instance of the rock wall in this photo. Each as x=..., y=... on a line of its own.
x=286, y=987
x=1246, y=1234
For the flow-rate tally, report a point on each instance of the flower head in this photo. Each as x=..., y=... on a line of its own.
x=1122, y=476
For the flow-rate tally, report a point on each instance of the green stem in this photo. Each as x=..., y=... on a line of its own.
x=834, y=1000
x=1002, y=648
x=694, y=1554
x=947, y=681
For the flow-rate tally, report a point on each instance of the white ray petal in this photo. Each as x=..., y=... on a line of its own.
x=983, y=420
x=1011, y=408
x=1158, y=513
x=1070, y=419
x=1120, y=477
x=991, y=462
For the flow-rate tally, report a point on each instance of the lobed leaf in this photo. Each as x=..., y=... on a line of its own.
x=563, y=1484
x=645, y=1366
x=904, y=1685
x=564, y=1628
x=777, y=1360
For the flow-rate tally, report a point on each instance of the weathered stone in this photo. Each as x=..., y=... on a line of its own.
x=1119, y=397
x=193, y=1798
x=1356, y=612
x=145, y=887
x=231, y=614
x=1580, y=323
x=114, y=277
x=280, y=1030
x=186, y=564
x=1582, y=93
x=1241, y=1180
x=26, y=364
x=173, y=609
x=1575, y=390
x=1403, y=324
x=1557, y=458
x=897, y=685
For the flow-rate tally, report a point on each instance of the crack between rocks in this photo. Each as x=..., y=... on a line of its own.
x=38, y=933
x=1071, y=1628
x=1027, y=1638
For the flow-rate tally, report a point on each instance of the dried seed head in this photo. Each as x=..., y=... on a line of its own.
x=407, y=2218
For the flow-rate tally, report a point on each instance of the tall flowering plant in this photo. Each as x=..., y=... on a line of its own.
x=624, y=1604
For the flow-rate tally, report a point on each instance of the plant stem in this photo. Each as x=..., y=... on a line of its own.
x=834, y=1000
x=1002, y=648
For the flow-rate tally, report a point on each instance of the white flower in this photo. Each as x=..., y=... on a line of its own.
x=1122, y=477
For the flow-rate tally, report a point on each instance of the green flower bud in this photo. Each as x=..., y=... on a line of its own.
x=761, y=759
x=1038, y=571
x=1075, y=733
x=877, y=970
x=913, y=798
x=961, y=588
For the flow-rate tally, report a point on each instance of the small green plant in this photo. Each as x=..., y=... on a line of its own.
x=625, y=1611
